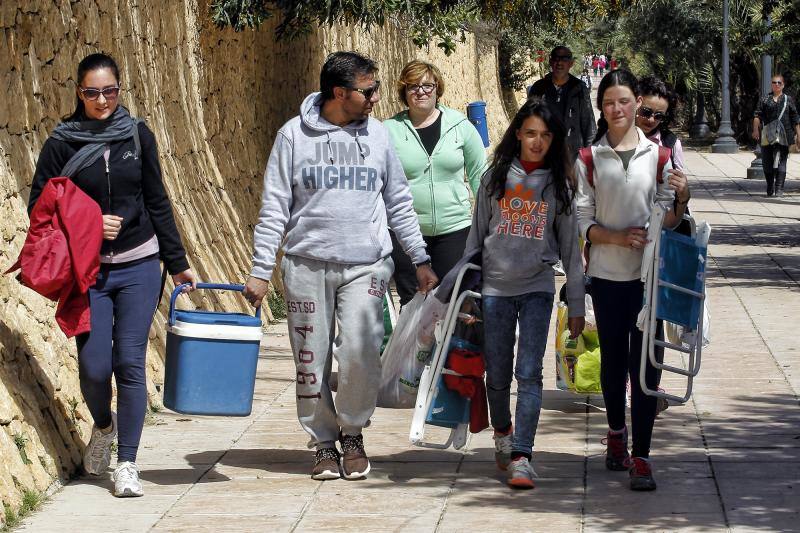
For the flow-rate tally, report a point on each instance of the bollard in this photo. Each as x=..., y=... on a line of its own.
x=476, y=113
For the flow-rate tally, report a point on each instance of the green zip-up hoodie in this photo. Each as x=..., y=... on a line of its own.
x=437, y=182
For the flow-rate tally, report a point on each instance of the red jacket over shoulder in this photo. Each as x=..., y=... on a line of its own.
x=61, y=255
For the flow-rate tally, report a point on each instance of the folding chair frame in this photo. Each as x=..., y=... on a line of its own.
x=694, y=338
x=429, y=381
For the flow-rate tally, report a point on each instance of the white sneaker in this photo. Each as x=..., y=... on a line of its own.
x=97, y=455
x=502, y=448
x=521, y=474
x=126, y=480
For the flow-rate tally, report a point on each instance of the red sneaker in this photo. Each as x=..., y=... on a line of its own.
x=617, y=456
x=642, y=475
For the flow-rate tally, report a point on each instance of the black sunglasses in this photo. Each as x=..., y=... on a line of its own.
x=646, y=112
x=109, y=93
x=369, y=92
x=561, y=58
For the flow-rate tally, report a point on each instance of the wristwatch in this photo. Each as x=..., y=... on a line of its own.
x=427, y=262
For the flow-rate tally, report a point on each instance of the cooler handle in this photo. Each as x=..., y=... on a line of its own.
x=218, y=286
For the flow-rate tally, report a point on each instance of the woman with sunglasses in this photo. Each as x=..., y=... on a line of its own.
x=439, y=149
x=656, y=113
x=779, y=107
x=113, y=158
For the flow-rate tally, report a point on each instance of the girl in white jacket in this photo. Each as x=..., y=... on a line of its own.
x=613, y=208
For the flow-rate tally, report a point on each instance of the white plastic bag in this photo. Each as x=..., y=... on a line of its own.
x=408, y=350
x=676, y=334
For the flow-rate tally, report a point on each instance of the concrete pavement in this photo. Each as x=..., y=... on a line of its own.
x=729, y=460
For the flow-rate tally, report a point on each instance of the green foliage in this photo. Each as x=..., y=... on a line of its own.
x=20, y=441
x=31, y=501
x=72, y=404
x=444, y=21
x=277, y=305
x=680, y=41
x=785, y=33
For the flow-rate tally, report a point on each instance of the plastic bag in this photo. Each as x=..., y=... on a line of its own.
x=676, y=334
x=408, y=350
x=569, y=351
x=587, y=372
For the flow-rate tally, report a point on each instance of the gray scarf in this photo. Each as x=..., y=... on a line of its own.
x=95, y=133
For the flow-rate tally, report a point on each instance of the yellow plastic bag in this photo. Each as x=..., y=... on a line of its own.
x=587, y=372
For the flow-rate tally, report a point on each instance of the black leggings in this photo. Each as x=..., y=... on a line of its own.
x=445, y=251
x=616, y=305
x=768, y=155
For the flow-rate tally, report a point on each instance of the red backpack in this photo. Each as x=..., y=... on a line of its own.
x=585, y=155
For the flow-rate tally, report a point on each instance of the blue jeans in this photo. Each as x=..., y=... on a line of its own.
x=500, y=316
x=122, y=302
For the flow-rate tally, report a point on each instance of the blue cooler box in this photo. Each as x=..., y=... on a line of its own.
x=211, y=359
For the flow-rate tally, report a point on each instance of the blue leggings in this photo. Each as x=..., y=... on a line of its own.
x=122, y=302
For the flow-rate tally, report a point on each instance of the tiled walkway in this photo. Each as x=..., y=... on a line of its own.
x=727, y=460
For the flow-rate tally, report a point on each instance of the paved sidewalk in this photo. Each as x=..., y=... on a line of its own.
x=728, y=460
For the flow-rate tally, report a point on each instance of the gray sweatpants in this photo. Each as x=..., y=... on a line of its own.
x=318, y=295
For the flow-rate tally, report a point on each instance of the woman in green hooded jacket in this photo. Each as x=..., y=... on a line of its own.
x=443, y=158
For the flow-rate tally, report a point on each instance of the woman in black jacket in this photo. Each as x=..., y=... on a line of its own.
x=776, y=106
x=113, y=158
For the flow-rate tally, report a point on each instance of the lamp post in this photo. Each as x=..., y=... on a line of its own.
x=756, y=169
x=700, y=130
x=725, y=143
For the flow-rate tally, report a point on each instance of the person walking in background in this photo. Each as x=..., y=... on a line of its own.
x=776, y=126
x=113, y=158
x=568, y=98
x=596, y=65
x=531, y=167
x=586, y=79
x=613, y=208
x=332, y=188
x=439, y=149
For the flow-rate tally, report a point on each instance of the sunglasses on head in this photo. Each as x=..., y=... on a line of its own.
x=109, y=93
x=369, y=92
x=646, y=112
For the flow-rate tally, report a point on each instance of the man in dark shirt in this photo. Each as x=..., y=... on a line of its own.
x=569, y=98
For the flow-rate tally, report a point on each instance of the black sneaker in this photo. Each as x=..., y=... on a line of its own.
x=355, y=463
x=326, y=464
x=642, y=475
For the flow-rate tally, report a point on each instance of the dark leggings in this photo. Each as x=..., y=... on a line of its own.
x=616, y=305
x=445, y=251
x=122, y=304
x=768, y=155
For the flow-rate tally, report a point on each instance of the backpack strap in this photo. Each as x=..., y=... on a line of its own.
x=585, y=155
x=664, y=155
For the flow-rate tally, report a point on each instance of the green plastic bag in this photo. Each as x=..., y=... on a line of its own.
x=587, y=372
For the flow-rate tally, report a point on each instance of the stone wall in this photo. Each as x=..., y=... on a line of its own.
x=214, y=99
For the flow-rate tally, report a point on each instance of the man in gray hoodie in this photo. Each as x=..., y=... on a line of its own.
x=332, y=188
